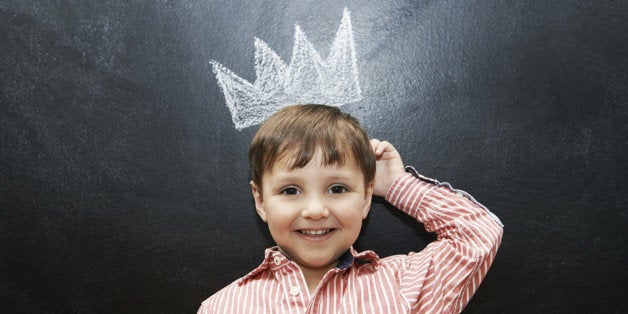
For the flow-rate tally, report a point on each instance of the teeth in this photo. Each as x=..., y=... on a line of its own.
x=316, y=232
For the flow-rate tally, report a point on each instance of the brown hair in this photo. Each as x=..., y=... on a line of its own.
x=303, y=130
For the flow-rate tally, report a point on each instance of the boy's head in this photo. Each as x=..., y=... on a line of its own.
x=299, y=132
x=313, y=169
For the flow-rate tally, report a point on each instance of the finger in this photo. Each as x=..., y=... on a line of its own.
x=374, y=145
x=383, y=147
x=380, y=149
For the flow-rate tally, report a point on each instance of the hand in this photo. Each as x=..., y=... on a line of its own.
x=388, y=166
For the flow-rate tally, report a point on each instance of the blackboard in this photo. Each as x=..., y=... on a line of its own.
x=124, y=182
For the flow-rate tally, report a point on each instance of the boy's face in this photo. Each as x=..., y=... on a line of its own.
x=314, y=213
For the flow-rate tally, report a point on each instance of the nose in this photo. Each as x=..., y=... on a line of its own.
x=314, y=208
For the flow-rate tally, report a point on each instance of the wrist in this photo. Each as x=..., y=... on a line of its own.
x=394, y=178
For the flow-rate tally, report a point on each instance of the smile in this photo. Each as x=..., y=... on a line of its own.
x=320, y=232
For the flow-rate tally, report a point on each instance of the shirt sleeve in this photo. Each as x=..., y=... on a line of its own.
x=204, y=308
x=443, y=277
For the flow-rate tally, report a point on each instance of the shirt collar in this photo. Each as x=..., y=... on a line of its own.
x=274, y=259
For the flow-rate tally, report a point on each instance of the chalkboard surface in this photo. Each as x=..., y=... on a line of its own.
x=124, y=181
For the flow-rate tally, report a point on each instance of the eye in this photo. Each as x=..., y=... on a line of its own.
x=337, y=189
x=291, y=190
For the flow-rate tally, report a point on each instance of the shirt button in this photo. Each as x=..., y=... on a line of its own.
x=459, y=194
x=294, y=290
x=277, y=260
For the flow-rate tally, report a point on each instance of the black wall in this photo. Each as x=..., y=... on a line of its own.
x=124, y=184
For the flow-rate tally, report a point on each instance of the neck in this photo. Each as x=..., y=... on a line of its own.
x=314, y=275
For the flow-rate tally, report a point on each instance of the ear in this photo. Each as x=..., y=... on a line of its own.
x=259, y=201
x=368, y=196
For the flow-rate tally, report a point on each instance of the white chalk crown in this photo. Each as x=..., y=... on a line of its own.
x=308, y=79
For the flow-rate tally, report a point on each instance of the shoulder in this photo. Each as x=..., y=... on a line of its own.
x=223, y=299
x=252, y=284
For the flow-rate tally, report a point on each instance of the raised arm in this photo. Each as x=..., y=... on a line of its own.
x=443, y=277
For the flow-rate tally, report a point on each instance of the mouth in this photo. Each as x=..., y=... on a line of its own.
x=316, y=233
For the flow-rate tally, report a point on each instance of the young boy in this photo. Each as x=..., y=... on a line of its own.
x=314, y=172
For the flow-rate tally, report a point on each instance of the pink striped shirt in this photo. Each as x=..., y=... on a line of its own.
x=439, y=279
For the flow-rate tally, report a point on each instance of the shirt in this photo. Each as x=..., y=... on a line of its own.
x=439, y=279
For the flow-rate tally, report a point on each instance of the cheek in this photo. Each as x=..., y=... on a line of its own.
x=278, y=230
x=353, y=211
x=279, y=219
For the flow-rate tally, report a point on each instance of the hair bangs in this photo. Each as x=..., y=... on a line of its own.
x=329, y=151
x=301, y=134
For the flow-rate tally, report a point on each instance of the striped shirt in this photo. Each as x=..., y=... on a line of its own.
x=439, y=279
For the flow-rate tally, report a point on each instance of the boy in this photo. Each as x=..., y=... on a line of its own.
x=314, y=172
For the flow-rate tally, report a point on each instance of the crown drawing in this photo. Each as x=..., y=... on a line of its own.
x=307, y=79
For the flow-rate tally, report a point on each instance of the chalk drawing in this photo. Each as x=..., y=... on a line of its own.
x=307, y=79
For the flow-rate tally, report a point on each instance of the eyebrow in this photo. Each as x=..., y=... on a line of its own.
x=287, y=178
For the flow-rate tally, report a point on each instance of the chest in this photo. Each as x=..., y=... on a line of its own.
x=343, y=292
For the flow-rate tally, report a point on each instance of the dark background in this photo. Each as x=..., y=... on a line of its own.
x=124, y=184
